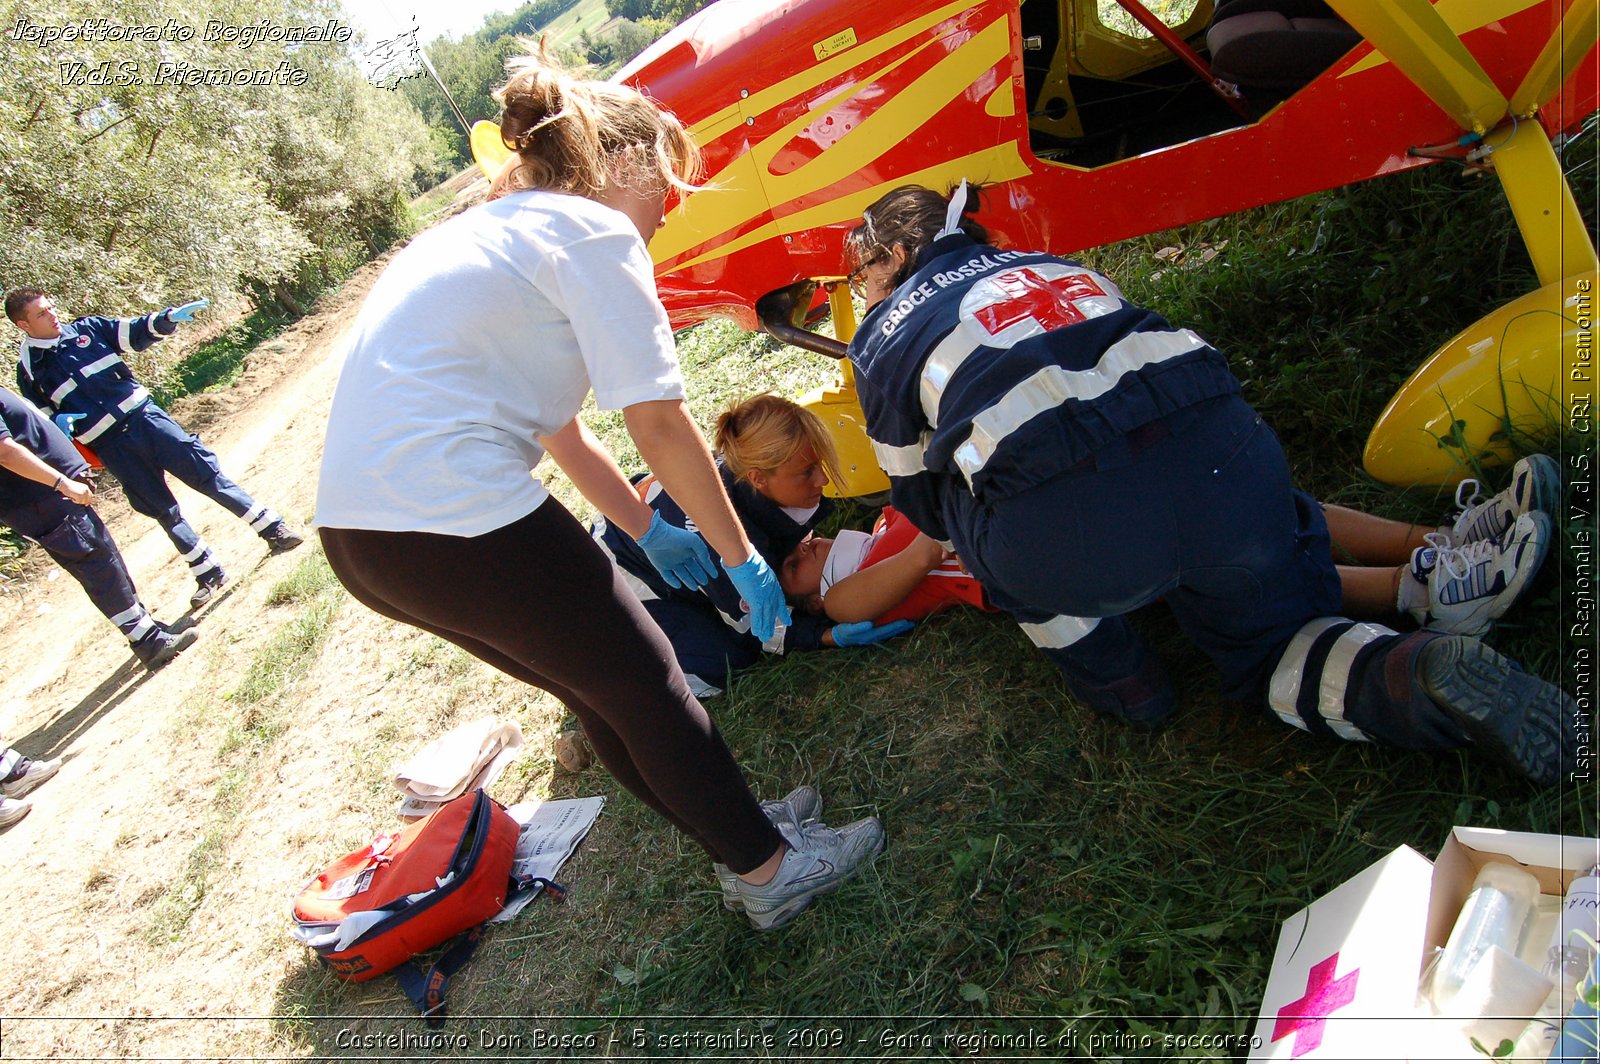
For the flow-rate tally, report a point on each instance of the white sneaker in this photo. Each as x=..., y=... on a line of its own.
x=1469, y=586
x=37, y=773
x=1535, y=486
x=796, y=809
x=819, y=860
x=11, y=811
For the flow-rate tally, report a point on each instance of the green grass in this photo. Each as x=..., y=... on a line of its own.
x=586, y=16
x=1049, y=875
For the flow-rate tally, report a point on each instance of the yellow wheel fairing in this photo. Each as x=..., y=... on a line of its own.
x=488, y=150
x=1501, y=380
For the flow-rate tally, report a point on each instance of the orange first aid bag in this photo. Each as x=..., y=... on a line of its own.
x=372, y=910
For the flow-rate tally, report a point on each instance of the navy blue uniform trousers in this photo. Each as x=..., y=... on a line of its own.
x=148, y=444
x=82, y=545
x=1198, y=510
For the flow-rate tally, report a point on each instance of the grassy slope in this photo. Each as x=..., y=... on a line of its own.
x=1042, y=863
x=585, y=15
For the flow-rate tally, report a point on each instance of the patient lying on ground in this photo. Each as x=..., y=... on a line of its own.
x=892, y=573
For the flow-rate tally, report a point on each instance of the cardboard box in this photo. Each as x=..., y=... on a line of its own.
x=1344, y=978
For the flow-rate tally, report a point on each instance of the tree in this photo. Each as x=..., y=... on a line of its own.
x=142, y=163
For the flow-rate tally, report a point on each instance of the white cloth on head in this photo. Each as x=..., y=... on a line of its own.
x=953, y=213
x=849, y=551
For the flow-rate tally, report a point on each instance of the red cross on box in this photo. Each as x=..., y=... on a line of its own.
x=1307, y=1017
x=1049, y=302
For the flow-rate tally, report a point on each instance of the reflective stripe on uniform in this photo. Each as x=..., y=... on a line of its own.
x=133, y=400
x=66, y=389
x=102, y=363
x=201, y=560
x=1053, y=385
x=947, y=357
x=899, y=461
x=134, y=622
x=98, y=429
x=699, y=688
x=640, y=589
x=260, y=518
x=1059, y=631
x=1288, y=689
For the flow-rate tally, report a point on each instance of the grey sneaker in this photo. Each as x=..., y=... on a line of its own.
x=796, y=809
x=1471, y=585
x=1535, y=487
x=159, y=647
x=281, y=538
x=820, y=859
x=1511, y=716
x=208, y=585
x=11, y=811
x=36, y=773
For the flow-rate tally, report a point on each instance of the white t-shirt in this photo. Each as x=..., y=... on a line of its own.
x=483, y=334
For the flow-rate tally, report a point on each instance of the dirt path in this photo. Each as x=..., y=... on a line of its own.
x=153, y=875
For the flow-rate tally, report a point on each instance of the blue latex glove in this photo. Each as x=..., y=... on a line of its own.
x=188, y=310
x=680, y=556
x=68, y=423
x=865, y=633
x=762, y=596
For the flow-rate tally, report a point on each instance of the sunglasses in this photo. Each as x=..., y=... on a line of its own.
x=858, y=276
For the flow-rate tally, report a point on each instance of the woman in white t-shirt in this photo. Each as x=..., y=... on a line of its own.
x=469, y=362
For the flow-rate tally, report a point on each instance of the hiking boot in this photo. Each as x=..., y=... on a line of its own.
x=1517, y=719
x=281, y=538
x=1472, y=584
x=159, y=647
x=209, y=585
x=796, y=809
x=36, y=773
x=1535, y=487
x=177, y=627
x=819, y=860
x=11, y=811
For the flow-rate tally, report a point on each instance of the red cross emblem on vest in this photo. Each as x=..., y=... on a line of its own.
x=1028, y=295
x=1306, y=1018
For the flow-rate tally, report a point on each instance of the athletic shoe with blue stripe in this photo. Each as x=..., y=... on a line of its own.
x=1471, y=585
x=1535, y=487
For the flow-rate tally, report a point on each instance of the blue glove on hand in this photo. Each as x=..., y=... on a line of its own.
x=68, y=422
x=680, y=556
x=762, y=595
x=865, y=633
x=188, y=310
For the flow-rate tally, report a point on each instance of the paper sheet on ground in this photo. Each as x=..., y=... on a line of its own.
x=550, y=832
x=470, y=756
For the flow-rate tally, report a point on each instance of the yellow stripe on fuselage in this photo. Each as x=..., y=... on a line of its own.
x=1462, y=16
x=747, y=189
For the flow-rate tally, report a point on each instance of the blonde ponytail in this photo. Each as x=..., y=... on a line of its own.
x=576, y=135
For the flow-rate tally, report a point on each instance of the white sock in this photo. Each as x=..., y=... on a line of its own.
x=1412, y=594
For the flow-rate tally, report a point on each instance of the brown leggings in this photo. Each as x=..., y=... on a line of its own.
x=539, y=601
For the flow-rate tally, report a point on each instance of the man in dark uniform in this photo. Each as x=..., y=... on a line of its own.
x=77, y=369
x=43, y=495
